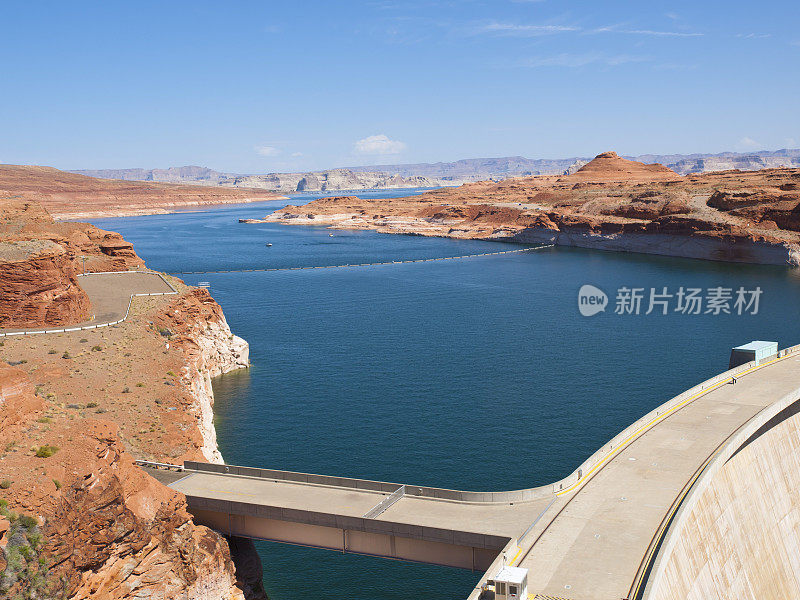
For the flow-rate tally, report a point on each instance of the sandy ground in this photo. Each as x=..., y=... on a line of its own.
x=101, y=374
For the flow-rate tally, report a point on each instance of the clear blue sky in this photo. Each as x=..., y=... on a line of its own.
x=275, y=86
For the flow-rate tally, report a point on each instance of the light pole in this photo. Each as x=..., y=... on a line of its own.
x=84, y=264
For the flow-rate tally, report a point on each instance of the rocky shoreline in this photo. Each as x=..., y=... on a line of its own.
x=608, y=204
x=77, y=518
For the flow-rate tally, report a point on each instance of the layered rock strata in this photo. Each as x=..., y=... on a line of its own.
x=610, y=203
x=38, y=285
x=76, y=410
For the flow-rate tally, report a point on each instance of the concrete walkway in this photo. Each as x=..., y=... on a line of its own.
x=110, y=295
x=598, y=536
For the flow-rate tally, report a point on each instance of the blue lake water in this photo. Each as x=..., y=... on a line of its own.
x=472, y=374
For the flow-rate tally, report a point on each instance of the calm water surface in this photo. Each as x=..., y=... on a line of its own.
x=471, y=374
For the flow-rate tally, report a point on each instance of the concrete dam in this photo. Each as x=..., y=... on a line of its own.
x=698, y=499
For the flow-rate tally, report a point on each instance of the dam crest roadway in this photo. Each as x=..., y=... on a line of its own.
x=595, y=535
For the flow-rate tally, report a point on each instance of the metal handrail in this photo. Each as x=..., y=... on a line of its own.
x=381, y=507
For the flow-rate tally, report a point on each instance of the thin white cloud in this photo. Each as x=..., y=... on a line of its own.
x=297, y=154
x=748, y=143
x=751, y=36
x=267, y=150
x=523, y=30
x=378, y=144
x=650, y=32
x=581, y=60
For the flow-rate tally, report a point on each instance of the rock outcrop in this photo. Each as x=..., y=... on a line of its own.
x=94, y=525
x=109, y=531
x=40, y=260
x=610, y=203
x=38, y=285
x=608, y=166
x=197, y=326
x=119, y=534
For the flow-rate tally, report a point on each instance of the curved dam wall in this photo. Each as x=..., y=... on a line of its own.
x=737, y=533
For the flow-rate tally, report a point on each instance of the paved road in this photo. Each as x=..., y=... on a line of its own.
x=591, y=540
x=110, y=295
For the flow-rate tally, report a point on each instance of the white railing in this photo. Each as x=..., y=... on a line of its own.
x=384, y=504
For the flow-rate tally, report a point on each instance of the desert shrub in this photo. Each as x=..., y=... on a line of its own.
x=66, y=354
x=171, y=373
x=140, y=384
x=96, y=348
x=24, y=569
x=57, y=483
x=5, y=484
x=44, y=420
x=52, y=351
x=28, y=522
x=46, y=451
x=84, y=340
x=126, y=390
x=91, y=405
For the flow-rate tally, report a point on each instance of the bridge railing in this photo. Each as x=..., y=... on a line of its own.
x=375, y=486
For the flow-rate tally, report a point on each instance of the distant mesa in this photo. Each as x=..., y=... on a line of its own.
x=68, y=195
x=609, y=166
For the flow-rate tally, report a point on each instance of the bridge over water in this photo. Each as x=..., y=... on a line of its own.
x=595, y=535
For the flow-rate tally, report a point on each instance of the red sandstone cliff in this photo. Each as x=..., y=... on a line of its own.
x=38, y=286
x=77, y=518
x=39, y=261
x=610, y=203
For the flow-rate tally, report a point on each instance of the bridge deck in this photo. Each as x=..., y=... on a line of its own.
x=501, y=519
